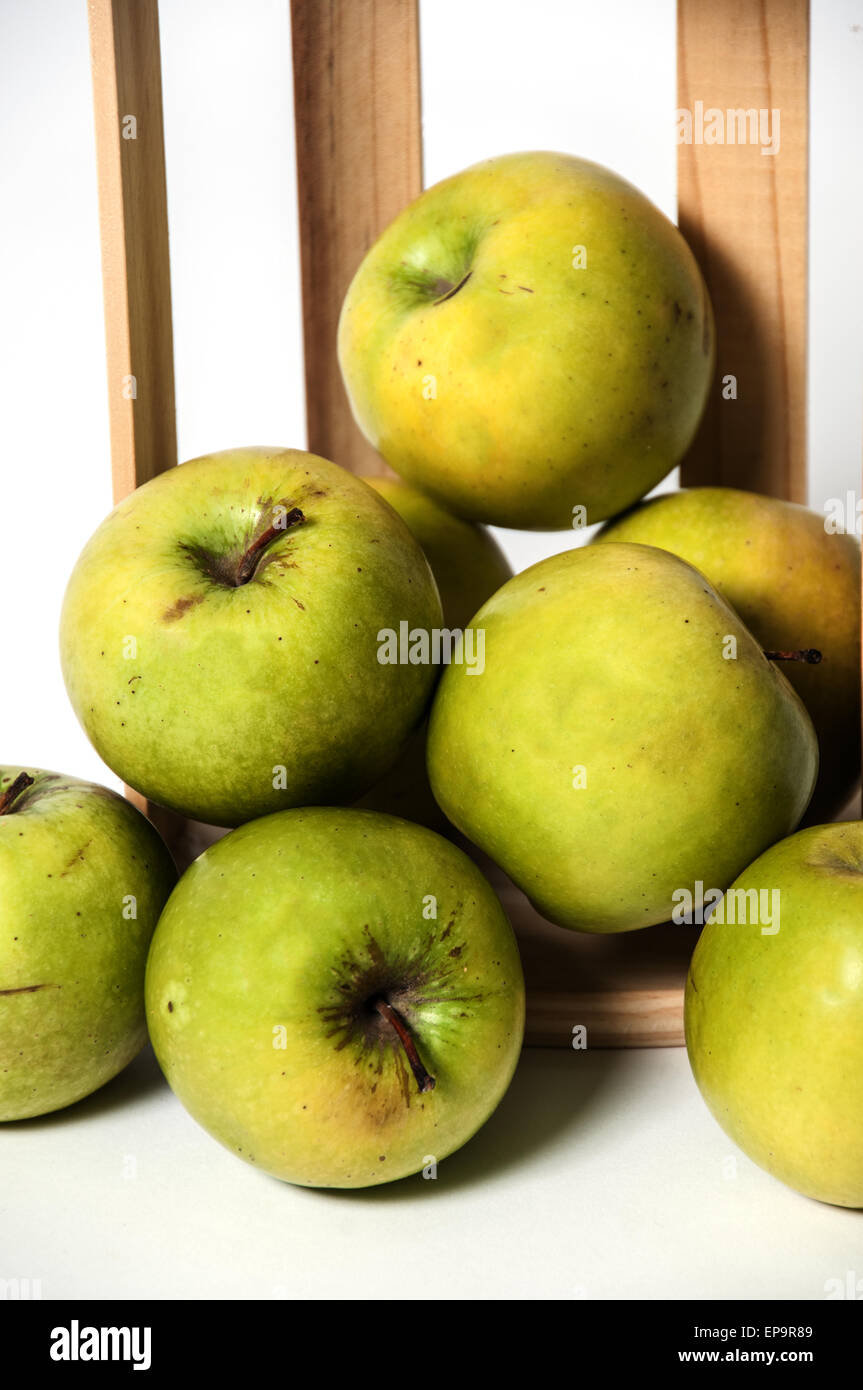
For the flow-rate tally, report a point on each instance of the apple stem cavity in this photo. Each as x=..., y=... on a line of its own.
x=13, y=791
x=424, y=1080
x=249, y=560
x=808, y=654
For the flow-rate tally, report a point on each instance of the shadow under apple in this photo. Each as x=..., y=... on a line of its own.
x=141, y=1078
x=550, y=1096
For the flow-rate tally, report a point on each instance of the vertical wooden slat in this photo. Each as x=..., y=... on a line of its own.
x=359, y=162
x=133, y=214
x=136, y=276
x=744, y=214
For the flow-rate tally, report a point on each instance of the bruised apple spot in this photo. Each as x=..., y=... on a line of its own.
x=182, y=606
x=76, y=859
x=27, y=989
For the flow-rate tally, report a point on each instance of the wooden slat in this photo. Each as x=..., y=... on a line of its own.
x=745, y=215
x=620, y=1017
x=359, y=162
x=136, y=276
x=133, y=214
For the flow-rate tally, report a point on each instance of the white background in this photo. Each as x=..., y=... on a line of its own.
x=602, y=1176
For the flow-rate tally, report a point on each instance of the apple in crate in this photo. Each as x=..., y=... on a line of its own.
x=627, y=738
x=529, y=336
x=83, y=878
x=774, y=1012
x=336, y=996
x=469, y=566
x=795, y=584
x=219, y=635
x=466, y=560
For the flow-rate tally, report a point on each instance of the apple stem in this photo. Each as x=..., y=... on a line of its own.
x=11, y=794
x=446, y=289
x=249, y=561
x=424, y=1080
x=808, y=654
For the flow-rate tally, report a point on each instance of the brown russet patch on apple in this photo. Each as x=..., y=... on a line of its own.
x=381, y=1105
x=451, y=923
x=182, y=606
x=76, y=859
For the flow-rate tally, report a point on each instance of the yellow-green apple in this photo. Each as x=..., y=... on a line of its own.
x=468, y=566
x=83, y=878
x=529, y=337
x=336, y=996
x=627, y=738
x=220, y=635
x=794, y=585
x=466, y=560
x=774, y=1012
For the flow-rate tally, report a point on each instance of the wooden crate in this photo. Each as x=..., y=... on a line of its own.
x=358, y=131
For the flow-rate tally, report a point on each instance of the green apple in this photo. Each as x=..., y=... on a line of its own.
x=336, y=996
x=469, y=566
x=626, y=739
x=466, y=560
x=83, y=878
x=774, y=1013
x=529, y=336
x=794, y=585
x=220, y=635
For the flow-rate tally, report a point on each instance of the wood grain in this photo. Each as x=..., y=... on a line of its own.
x=133, y=216
x=625, y=989
x=744, y=214
x=133, y=220
x=359, y=162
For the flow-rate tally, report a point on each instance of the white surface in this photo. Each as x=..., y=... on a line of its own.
x=602, y=1175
